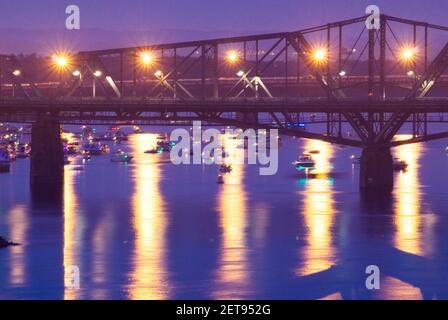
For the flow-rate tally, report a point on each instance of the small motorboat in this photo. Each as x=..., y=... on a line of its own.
x=95, y=149
x=72, y=148
x=220, y=179
x=305, y=162
x=400, y=165
x=5, y=161
x=121, y=156
x=137, y=129
x=355, y=159
x=23, y=151
x=86, y=155
x=226, y=168
x=116, y=135
x=4, y=243
x=157, y=150
x=165, y=145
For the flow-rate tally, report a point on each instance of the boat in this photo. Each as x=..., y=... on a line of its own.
x=23, y=151
x=115, y=135
x=400, y=165
x=121, y=156
x=4, y=243
x=137, y=129
x=5, y=161
x=220, y=179
x=157, y=150
x=72, y=148
x=86, y=155
x=166, y=145
x=226, y=168
x=305, y=162
x=95, y=148
x=355, y=159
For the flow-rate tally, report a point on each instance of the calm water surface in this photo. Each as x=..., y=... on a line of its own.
x=152, y=230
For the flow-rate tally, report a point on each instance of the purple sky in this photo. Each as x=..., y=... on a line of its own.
x=123, y=23
x=235, y=15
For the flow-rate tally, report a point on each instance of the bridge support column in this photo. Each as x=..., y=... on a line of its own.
x=376, y=172
x=47, y=159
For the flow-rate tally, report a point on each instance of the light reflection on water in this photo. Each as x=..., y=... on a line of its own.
x=407, y=208
x=118, y=226
x=233, y=275
x=19, y=222
x=319, y=211
x=149, y=275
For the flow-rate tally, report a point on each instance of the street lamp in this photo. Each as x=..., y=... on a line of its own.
x=96, y=74
x=408, y=54
x=17, y=72
x=232, y=56
x=146, y=58
x=319, y=55
x=61, y=61
x=158, y=74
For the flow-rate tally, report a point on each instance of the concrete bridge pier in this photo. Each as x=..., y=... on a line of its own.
x=376, y=171
x=47, y=160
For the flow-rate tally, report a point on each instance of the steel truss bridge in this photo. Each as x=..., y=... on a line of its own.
x=336, y=78
x=276, y=80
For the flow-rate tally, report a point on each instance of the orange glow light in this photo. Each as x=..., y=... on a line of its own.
x=408, y=54
x=232, y=56
x=146, y=58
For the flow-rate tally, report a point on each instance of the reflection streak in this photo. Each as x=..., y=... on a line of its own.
x=233, y=276
x=319, y=212
x=149, y=276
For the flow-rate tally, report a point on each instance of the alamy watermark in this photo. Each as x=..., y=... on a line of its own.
x=373, y=21
x=73, y=21
x=373, y=281
x=261, y=145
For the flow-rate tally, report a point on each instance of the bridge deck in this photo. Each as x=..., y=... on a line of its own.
x=318, y=105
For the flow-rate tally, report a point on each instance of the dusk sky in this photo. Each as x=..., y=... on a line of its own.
x=238, y=15
x=123, y=23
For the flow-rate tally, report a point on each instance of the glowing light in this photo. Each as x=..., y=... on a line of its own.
x=319, y=55
x=76, y=73
x=17, y=72
x=61, y=61
x=240, y=73
x=97, y=73
x=343, y=73
x=146, y=58
x=410, y=73
x=158, y=74
x=232, y=56
x=408, y=54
